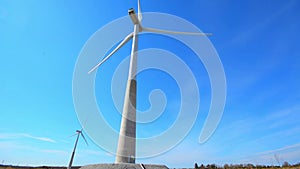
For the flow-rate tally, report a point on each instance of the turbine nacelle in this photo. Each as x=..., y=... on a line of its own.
x=133, y=16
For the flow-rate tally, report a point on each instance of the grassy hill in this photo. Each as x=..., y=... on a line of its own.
x=39, y=167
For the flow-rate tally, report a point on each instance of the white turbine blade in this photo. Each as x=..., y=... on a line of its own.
x=114, y=51
x=140, y=17
x=73, y=135
x=174, y=32
x=84, y=139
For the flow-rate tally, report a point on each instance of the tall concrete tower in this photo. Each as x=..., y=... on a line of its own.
x=127, y=137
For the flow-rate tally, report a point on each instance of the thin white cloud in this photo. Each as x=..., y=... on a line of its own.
x=39, y=138
x=253, y=31
x=92, y=152
x=10, y=146
x=274, y=119
x=285, y=148
x=288, y=153
x=24, y=135
x=56, y=152
x=283, y=113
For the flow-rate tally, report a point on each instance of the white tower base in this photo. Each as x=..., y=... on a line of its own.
x=124, y=166
x=127, y=136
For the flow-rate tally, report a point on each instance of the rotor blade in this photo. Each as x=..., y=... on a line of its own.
x=84, y=139
x=73, y=135
x=114, y=51
x=174, y=32
x=140, y=17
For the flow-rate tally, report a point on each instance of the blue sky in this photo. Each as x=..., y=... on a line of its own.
x=257, y=42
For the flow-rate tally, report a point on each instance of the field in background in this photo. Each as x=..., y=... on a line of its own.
x=248, y=166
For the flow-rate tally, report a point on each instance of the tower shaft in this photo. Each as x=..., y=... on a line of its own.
x=127, y=137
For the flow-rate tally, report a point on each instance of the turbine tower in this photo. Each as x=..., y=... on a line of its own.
x=78, y=133
x=127, y=138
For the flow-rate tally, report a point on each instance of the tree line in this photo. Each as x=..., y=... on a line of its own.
x=285, y=165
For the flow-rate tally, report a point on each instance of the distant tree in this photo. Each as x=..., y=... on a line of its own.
x=258, y=166
x=250, y=166
x=196, y=166
x=202, y=166
x=232, y=166
x=211, y=166
x=297, y=165
x=226, y=166
x=285, y=164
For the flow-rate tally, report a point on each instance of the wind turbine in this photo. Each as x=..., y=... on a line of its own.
x=78, y=133
x=127, y=137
